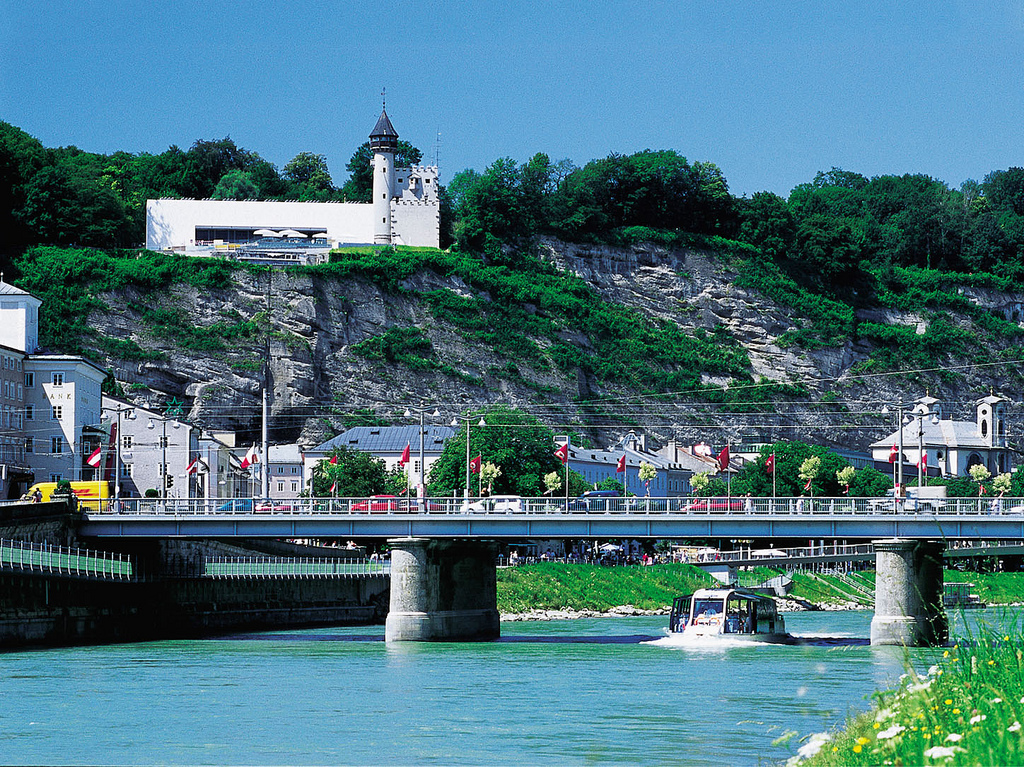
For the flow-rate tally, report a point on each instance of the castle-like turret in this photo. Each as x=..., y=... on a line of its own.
x=384, y=143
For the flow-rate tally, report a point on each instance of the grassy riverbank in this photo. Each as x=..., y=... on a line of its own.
x=552, y=586
x=968, y=710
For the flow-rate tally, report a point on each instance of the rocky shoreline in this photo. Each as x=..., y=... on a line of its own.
x=629, y=611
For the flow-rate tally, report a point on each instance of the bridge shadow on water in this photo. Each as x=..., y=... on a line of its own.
x=810, y=641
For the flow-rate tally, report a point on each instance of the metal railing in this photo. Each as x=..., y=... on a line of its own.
x=735, y=506
x=265, y=568
x=65, y=560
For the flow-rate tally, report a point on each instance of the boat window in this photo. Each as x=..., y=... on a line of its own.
x=707, y=607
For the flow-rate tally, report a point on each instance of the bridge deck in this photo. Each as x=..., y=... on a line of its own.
x=840, y=518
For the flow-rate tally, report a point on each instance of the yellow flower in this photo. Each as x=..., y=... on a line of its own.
x=876, y=725
x=835, y=749
x=862, y=741
x=948, y=701
x=1006, y=638
x=926, y=735
x=857, y=749
x=956, y=711
x=991, y=663
x=945, y=653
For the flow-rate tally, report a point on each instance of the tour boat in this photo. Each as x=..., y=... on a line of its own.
x=733, y=613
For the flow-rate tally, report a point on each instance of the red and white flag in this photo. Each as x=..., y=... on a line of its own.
x=334, y=487
x=808, y=485
x=723, y=459
x=94, y=458
x=334, y=460
x=620, y=467
x=474, y=465
x=769, y=464
x=894, y=454
x=923, y=463
x=405, y=455
x=251, y=457
x=562, y=454
x=193, y=467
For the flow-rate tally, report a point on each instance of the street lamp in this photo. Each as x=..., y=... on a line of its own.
x=421, y=486
x=129, y=414
x=900, y=422
x=455, y=423
x=163, y=447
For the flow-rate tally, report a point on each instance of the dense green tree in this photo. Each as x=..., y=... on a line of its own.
x=359, y=186
x=309, y=176
x=1004, y=189
x=519, y=444
x=767, y=223
x=236, y=185
x=356, y=473
x=754, y=478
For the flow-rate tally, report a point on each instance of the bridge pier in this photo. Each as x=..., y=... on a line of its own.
x=908, y=593
x=442, y=590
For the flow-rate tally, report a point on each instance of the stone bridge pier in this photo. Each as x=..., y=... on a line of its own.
x=442, y=590
x=908, y=593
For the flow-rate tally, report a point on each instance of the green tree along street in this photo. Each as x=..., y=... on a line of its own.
x=515, y=442
x=356, y=473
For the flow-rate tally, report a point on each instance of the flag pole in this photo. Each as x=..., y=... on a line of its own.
x=775, y=487
x=728, y=474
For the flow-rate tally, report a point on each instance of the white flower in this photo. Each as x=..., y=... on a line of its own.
x=885, y=713
x=997, y=700
x=813, y=745
x=892, y=732
x=922, y=686
x=933, y=671
x=1015, y=727
x=953, y=737
x=942, y=752
x=978, y=718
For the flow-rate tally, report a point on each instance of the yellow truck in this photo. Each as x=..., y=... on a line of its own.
x=92, y=496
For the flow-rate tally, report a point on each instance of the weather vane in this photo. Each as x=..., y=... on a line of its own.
x=384, y=98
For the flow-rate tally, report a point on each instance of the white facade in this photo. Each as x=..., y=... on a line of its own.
x=62, y=415
x=285, y=467
x=404, y=209
x=19, y=318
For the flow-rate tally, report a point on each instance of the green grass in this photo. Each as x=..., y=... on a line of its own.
x=552, y=586
x=968, y=710
x=991, y=588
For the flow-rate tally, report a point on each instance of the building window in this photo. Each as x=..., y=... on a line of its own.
x=295, y=469
x=57, y=445
x=58, y=379
x=126, y=469
x=56, y=411
x=163, y=441
x=30, y=380
x=280, y=487
x=56, y=477
x=126, y=442
x=30, y=444
x=280, y=469
x=295, y=487
x=21, y=392
x=30, y=412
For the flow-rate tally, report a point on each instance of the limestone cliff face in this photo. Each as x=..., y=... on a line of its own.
x=315, y=378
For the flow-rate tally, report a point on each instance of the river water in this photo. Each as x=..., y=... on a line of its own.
x=582, y=691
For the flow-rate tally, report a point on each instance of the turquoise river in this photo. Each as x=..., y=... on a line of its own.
x=560, y=692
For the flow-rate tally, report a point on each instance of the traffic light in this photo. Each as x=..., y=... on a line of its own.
x=169, y=479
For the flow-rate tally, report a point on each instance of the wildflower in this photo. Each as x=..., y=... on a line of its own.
x=991, y=663
x=956, y=711
x=945, y=653
x=813, y=745
x=892, y=732
x=953, y=737
x=933, y=670
x=876, y=725
x=1015, y=727
x=862, y=741
x=978, y=718
x=858, y=748
x=948, y=701
x=919, y=687
x=942, y=752
x=997, y=700
x=1006, y=638
x=885, y=713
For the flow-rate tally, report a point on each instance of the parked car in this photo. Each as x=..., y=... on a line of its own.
x=716, y=504
x=595, y=500
x=279, y=505
x=236, y=505
x=379, y=503
x=497, y=504
x=415, y=504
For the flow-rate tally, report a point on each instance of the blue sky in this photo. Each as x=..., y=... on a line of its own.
x=770, y=92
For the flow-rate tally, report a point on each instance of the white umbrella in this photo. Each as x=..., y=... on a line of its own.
x=266, y=233
x=319, y=236
x=291, y=233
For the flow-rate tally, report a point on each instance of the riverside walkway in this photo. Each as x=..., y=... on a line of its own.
x=832, y=518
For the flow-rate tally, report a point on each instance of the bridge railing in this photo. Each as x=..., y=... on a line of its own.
x=26, y=556
x=264, y=568
x=736, y=505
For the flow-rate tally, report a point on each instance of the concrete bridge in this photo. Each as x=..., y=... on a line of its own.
x=443, y=582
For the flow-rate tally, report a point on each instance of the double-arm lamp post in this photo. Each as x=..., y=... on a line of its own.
x=421, y=486
x=919, y=416
x=468, y=419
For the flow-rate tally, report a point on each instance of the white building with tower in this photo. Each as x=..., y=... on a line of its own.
x=951, y=446
x=404, y=210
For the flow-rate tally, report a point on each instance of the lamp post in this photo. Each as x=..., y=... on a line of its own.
x=421, y=486
x=163, y=447
x=129, y=414
x=900, y=422
x=455, y=423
